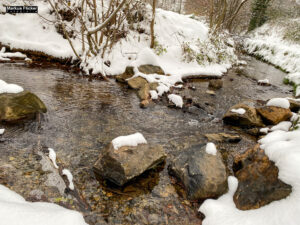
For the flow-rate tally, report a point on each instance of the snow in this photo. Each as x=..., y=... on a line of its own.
x=14, y=210
x=69, y=175
x=153, y=94
x=264, y=81
x=52, y=156
x=282, y=147
x=5, y=56
x=2, y=131
x=211, y=148
x=279, y=102
x=240, y=111
x=31, y=32
x=176, y=99
x=264, y=130
x=284, y=125
x=9, y=88
x=129, y=140
x=268, y=42
x=172, y=31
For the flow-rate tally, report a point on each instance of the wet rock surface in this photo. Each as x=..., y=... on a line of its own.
x=274, y=115
x=215, y=83
x=123, y=164
x=15, y=107
x=203, y=175
x=249, y=119
x=223, y=137
x=258, y=180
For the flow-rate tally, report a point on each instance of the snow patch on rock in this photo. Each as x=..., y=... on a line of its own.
x=129, y=140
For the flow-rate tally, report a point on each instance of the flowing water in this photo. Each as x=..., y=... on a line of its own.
x=85, y=115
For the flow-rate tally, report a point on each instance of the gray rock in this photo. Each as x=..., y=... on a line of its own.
x=203, y=175
x=121, y=165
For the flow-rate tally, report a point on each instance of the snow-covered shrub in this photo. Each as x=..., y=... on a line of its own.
x=210, y=51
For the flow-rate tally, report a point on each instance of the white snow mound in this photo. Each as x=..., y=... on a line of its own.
x=279, y=102
x=9, y=88
x=211, y=148
x=14, y=210
x=130, y=140
x=176, y=99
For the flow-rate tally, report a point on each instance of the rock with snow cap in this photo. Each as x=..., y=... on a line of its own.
x=202, y=174
x=127, y=162
x=243, y=115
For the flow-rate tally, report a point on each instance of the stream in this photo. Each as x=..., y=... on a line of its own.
x=85, y=115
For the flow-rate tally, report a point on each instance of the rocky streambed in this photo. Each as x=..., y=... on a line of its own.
x=85, y=115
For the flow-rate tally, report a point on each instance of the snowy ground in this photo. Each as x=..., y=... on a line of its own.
x=282, y=147
x=273, y=43
x=14, y=210
x=183, y=45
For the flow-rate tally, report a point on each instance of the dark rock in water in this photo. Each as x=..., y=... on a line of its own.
x=129, y=72
x=224, y=137
x=15, y=107
x=215, y=84
x=137, y=82
x=150, y=69
x=203, y=175
x=258, y=180
x=294, y=105
x=249, y=119
x=121, y=165
x=274, y=115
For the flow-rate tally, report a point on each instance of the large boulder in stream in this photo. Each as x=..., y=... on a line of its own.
x=23, y=105
x=243, y=115
x=125, y=163
x=274, y=115
x=258, y=180
x=203, y=175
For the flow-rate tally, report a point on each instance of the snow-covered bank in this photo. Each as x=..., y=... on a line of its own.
x=174, y=33
x=268, y=43
x=14, y=210
x=31, y=32
x=282, y=147
x=271, y=44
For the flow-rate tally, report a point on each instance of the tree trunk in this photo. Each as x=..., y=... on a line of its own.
x=152, y=25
